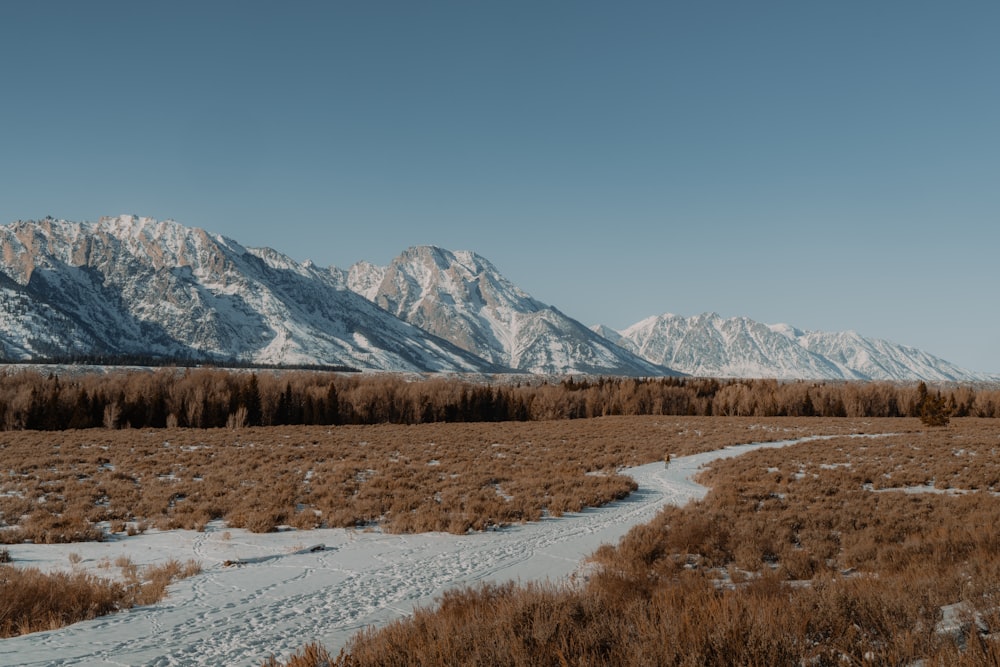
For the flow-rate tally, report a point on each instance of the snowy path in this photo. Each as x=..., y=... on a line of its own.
x=239, y=615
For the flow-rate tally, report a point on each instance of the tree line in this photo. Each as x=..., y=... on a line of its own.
x=214, y=398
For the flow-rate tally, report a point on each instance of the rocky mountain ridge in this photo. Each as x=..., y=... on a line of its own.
x=463, y=298
x=710, y=345
x=128, y=285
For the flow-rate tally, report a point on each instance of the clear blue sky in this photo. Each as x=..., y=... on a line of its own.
x=833, y=165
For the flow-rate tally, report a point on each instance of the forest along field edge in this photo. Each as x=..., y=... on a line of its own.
x=77, y=398
x=81, y=481
x=327, y=598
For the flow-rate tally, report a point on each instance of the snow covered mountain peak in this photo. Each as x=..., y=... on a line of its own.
x=462, y=297
x=786, y=330
x=122, y=238
x=125, y=222
x=712, y=346
x=131, y=285
x=461, y=274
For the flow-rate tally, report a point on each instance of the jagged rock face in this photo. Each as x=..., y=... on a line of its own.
x=135, y=285
x=708, y=345
x=463, y=298
x=458, y=296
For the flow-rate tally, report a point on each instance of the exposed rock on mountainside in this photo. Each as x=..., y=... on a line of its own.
x=129, y=285
x=462, y=297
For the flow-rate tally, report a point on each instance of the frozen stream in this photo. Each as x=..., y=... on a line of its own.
x=279, y=600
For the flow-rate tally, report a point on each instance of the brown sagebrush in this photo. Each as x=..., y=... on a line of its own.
x=838, y=551
x=32, y=600
x=431, y=477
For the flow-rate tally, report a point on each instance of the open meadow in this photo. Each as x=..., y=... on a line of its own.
x=876, y=549
x=831, y=551
x=80, y=485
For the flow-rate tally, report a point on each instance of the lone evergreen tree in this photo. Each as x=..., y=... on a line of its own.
x=933, y=410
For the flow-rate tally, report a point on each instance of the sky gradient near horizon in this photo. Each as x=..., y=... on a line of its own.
x=832, y=165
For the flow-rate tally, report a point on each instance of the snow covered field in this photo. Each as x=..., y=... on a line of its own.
x=283, y=595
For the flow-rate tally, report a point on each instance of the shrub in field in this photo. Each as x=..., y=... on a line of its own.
x=153, y=579
x=31, y=600
x=44, y=527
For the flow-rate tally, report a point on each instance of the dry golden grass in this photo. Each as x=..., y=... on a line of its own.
x=813, y=552
x=61, y=486
x=31, y=600
x=796, y=556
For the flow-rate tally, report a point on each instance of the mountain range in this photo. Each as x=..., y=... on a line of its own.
x=708, y=345
x=131, y=285
x=128, y=285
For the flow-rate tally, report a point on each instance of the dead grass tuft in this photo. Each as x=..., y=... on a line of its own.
x=32, y=601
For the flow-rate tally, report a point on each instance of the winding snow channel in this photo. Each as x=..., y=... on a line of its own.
x=283, y=595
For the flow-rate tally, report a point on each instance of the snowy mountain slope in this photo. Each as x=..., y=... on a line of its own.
x=708, y=345
x=128, y=285
x=364, y=278
x=136, y=285
x=877, y=359
x=30, y=326
x=610, y=334
x=463, y=298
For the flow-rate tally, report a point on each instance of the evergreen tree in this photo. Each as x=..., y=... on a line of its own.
x=331, y=412
x=808, y=409
x=251, y=401
x=933, y=410
x=283, y=411
x=36, y=411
